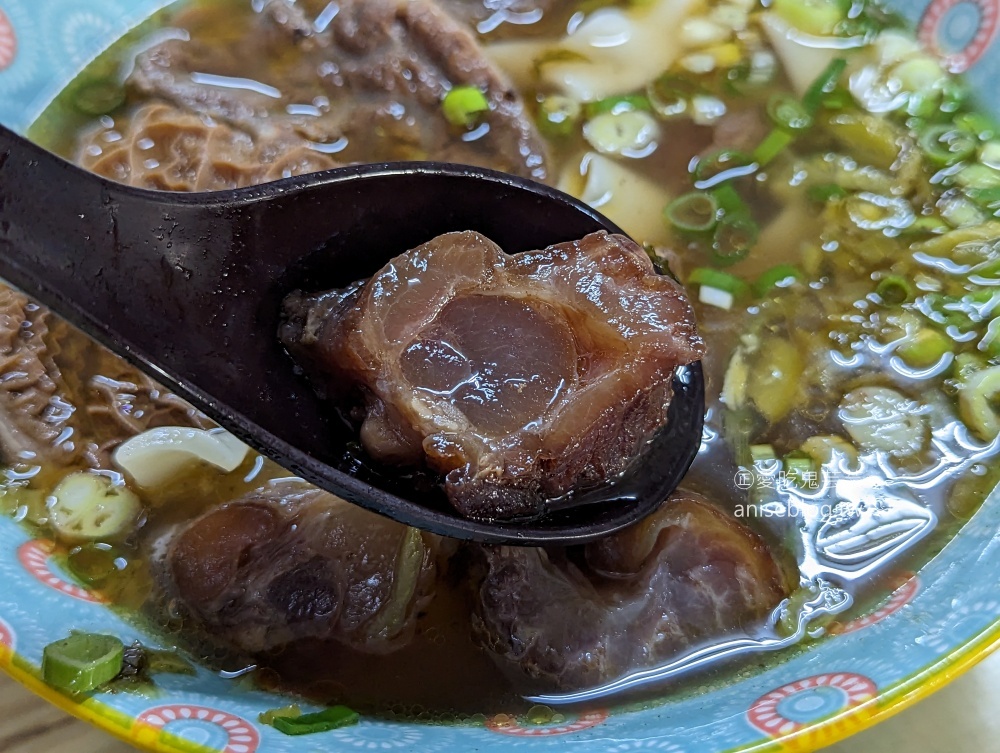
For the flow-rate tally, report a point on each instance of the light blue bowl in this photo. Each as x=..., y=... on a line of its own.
x=935, y=624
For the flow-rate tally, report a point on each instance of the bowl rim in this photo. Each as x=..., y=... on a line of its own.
x=886, y=703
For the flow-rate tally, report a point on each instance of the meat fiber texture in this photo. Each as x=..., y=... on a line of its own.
x=518, y=377
x=685, y=575
x=290, y=563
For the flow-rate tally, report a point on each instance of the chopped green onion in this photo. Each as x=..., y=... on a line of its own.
x=621, y=133
x=670, y=95
x=719, y=280
x=925, y=348
x=990, y=342
x=924, y=105
x=334, y=717
x=722, y=165
x=82, y=662
x=781, y=276
x=958, y=211
x=839, y=99
x=947, y=145
x=730, y=202
x=94, y=562
x=858, y=26
x=618, y=104
x=926, y=225
x=954, y=94
x=748, y=75
x=977, y=401
x=824, y=85
x=761, y=452
x=817, y=17
x=825, y=192
x=694, y=212
x=463, y=105
x=977, y=124
x=986, y=273
x=894, y=290
x=558, y=116
x=788, y=113
x=99, y=97
x=798, y=464
x=734, y=238
x=976, y=175
x=773, y=144
x=288, y=712
x=987, y=196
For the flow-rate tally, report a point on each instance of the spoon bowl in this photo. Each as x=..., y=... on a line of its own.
x=188, y=287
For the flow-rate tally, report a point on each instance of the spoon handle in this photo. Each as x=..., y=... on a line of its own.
x=54, y=221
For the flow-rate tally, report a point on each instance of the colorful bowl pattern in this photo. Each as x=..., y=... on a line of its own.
x=933, y=625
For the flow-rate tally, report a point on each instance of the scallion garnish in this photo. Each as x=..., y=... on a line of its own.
x=463, y=104
x=334, y=717
x=729, y=201
x=824, y=85
x=694, y=212
x=773, y=144
x=946, y=145
x=622, y=103
x=714, y=278
x=733, y=239
x=788, y=113
x=825, y=192
x=925, y=348
x=82, y=662
x=894, y=290
x=780, y=276
x=558, y=116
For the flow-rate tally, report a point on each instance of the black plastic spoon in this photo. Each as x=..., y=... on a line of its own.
x=189, y=288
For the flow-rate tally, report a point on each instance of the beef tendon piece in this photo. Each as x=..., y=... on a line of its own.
x=686, y=574
x=518, y=377
x=293, y=563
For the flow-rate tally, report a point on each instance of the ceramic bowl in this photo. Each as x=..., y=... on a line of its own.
x=929, y=627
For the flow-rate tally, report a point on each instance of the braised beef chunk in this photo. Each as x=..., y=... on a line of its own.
x=517, y=377
x=366, y=86
x=292, y=563
x=685, y=574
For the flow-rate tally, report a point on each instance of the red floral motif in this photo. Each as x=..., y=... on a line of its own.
x=8, y=42
x=34, y=556
x=907, y=586
x=764, y=713
x=499, y=723
x=930, y=26
x=242, y=736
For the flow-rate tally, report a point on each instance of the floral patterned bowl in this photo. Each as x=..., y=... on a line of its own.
x=930, y=626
